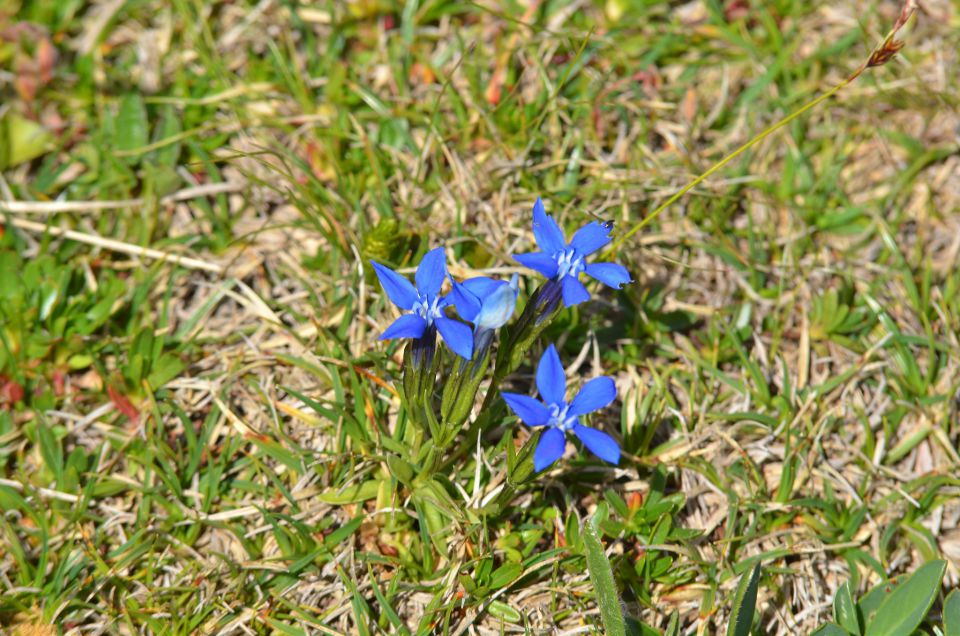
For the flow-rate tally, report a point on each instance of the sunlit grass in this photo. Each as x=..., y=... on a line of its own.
x=198, y=445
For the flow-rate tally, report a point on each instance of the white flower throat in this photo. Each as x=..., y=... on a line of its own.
x=569, y=263
x=427, y=308
x=559, y=418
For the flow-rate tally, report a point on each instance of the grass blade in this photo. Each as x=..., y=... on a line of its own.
x=744, y=604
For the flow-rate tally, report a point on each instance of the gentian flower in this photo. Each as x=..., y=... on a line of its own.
x=563, y=263
x=560, y=416
x=486, y=302
x=425, y=305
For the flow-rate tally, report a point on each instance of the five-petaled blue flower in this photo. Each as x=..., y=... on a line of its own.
x=563, y=263
x=486, y=302
x=560, y=416
x=425, y=305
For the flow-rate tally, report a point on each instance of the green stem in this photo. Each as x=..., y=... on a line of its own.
x=736, y=153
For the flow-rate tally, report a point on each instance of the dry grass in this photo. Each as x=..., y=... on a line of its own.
x=723, y=346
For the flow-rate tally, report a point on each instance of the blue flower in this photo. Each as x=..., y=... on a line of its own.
x=561, y=416
x=564, y=262
x=486, y=302
x=425, y=305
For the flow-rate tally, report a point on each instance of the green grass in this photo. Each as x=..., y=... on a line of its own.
x=200, y=447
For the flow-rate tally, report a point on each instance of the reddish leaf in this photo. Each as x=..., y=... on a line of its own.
x=58, y=382
x=495, y=88
x=736, y=9
x=123, y=404
x=46, y=58
x=688, y=108
x=10, y=391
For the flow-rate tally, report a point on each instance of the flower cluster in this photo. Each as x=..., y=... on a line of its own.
x=488, y=304
x=485, y=302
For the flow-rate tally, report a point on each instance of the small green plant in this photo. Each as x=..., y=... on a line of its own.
x=897, y=608
x=49, y=314
x=834, y=316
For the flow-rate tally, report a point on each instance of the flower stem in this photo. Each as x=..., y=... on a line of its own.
x=733, y=155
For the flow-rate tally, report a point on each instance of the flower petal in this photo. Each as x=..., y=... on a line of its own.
x=543, y=263
x=482, y=286
x=431, y=272
x=610, y=274
x=399, y=290
x=549, y=448
x=551, y=381
x=457, y=335
x=548, y=234
x=574, y=292
x=595, y=394
x=590, y=238
x=406, y=326
x=599, y=443
x=496, y=308
x=530, y=411
x=467, y=303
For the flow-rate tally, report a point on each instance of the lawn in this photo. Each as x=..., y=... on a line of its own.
x=202, y=433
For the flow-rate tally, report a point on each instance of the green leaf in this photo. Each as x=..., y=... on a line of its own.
x=830, y=629
x=285, y=628
x=401, y=469
x=51, y=450
x=505, y=575
x=673, y=627
x=951, y=614
x=499, y=609
x=744, y=604
x=395, y=621
x=131, y=126
x=354, y=493
x=21, y=140
x=342, y=533
x=168, y=128
x=601, y=575
x=166, y=368
x=639, y=628
x=903, y=611
x=844, y=611
x=870, y=602
x=361, y=609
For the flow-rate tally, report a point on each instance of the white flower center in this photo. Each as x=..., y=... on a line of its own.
x=568, y=263
x=559, y=418
x=427, y=308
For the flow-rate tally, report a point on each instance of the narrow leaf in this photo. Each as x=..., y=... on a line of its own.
x=744, y=604
x=844, y=611
x=131, y=125
x=830, y=629
x=601, y=575
x=951, y=614
x=354, y=493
